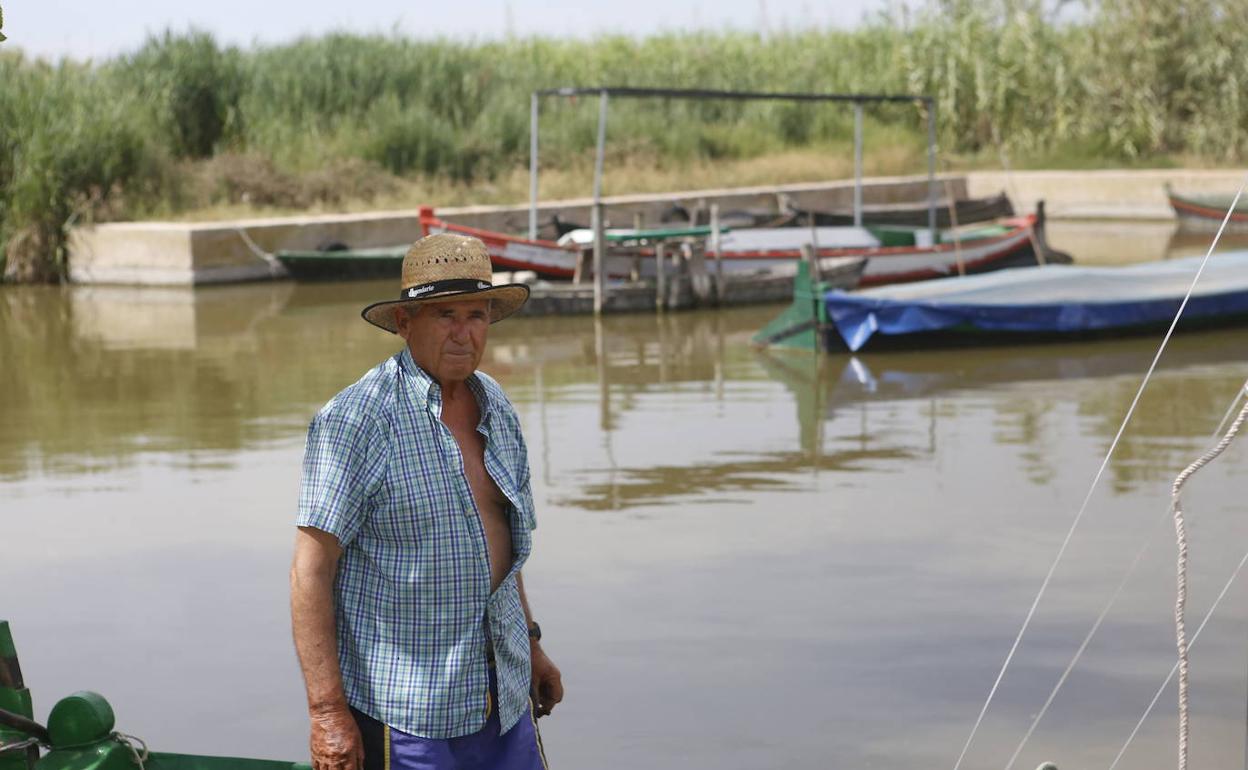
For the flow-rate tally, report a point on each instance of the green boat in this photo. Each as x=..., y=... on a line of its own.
x=81, y=733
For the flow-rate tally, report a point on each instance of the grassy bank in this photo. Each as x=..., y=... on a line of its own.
x=188, y=127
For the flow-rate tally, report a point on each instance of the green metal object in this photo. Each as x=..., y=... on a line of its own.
x=105, y=754
x=802, y=324
x=82, y=718
x=15, y=698
x=7, y=648
x=80, y=733
x=193, y=762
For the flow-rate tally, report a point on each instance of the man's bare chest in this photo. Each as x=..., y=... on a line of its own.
x=489, y=498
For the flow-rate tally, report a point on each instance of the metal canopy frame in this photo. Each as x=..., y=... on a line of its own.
x=605, y=92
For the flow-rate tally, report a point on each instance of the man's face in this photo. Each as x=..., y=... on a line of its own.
x=447, y=339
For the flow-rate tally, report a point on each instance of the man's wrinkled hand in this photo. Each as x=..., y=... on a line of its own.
x=336, y=741
x=547, y=683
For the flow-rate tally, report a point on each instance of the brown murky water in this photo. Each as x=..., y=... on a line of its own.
x=744, y=560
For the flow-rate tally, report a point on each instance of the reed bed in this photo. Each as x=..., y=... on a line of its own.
x=185, y=123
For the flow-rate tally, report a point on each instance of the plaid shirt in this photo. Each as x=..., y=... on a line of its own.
x=412, y=598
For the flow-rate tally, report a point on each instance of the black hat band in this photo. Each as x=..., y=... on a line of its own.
x=438, y=287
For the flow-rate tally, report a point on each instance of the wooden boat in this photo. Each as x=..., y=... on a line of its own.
x=893, y=254
x=968, y=211
x=1206, y=212
x=1052, y=302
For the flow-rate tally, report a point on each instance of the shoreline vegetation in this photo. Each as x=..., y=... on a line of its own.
x=188, y=128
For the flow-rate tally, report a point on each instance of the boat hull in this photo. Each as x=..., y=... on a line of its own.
x=966, y=211
x=1049, y=303
x=746, y=251
x=343, y=265
x=1045, y=304
x=1206, y=213
x=1015, y=246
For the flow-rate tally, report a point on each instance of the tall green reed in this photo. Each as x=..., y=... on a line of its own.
x=1130, y=80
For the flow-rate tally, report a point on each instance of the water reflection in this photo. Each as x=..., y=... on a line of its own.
x=1184, y=401
x=102, y=375
x=1095, y=242
x=746, y=559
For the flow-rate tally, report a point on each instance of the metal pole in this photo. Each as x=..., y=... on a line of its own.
x=811, y=256
x=660, y=280
x=719, y=260
x=857, y=164
x=533, y=99
x=599, y=226
x=931, y=166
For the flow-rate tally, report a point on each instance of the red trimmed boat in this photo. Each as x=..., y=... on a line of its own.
x=893, y=254
x=1206, y=212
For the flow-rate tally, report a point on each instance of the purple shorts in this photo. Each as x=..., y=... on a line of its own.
x=520, y=748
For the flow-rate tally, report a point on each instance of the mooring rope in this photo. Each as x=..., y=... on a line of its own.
x=1070, y=667
x=1041, y=257
x=276, y=268
x=1048, y=578
x=1126, y=577
x=141, y=755
x=1174, y=669
x=1230, y=410
x=1180, y=603
x=19, y=745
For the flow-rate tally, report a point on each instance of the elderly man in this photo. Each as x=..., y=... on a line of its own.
x=418, y=648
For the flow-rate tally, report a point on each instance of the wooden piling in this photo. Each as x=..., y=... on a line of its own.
x=812, y=260
x=699, y=278
x=716, y=247
x=635, y=273
x=600, y=258
x=660, y=272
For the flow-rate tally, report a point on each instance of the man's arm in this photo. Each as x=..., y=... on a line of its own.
x=335, y=740
x=547, y=682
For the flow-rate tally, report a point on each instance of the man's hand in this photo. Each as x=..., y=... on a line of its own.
x=336, y=741
x=547, y=682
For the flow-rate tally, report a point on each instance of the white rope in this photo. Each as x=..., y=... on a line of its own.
x=140, y=757
x=25, y=744
x=1180, y=603
x=1041, y=257
x=1174, y=669
x=1126, y=577
x=1048, y=578
x=1035, y=722
x=1230, y=410
x=276, y=268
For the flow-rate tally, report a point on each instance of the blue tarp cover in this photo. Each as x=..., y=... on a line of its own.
x=1050, y=298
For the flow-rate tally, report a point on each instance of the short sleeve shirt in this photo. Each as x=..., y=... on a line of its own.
x=415, y=614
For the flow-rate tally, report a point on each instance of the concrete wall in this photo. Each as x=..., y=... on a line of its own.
x=176, y=253
x=1131, y=195
x=188, y=253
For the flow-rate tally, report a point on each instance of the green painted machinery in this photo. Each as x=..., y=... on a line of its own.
x=81, y=735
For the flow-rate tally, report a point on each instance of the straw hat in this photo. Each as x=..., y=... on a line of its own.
x=447, y=266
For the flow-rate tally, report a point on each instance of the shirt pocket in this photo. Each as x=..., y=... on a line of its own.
x=414, y=499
